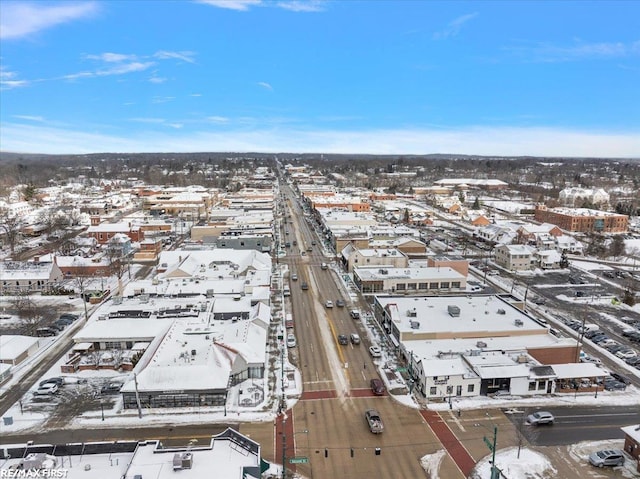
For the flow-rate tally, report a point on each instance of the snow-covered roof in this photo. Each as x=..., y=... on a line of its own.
x=12, y=346
x=484, y=315
x=118, y=329
x=632, y=431
x=578, y=370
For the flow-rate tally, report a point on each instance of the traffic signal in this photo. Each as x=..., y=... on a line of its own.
x=326, y=452
x=377, y=451
x=352, y=452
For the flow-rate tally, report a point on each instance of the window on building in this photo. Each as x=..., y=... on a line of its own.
x=444, y=285
x=532, y=385
x=411, y=286
x=541, y=385
x=433, y=285
x=455, y=284
x=449, y=389
x=401, y=286
x=422, y=285
x=433, y=391
x=470, y=388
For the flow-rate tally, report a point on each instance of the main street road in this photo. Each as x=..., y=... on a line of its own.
x=574, y=424
x=327, y=426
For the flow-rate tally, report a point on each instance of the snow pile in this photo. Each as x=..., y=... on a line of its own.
x=431, y=463
x=529, y=465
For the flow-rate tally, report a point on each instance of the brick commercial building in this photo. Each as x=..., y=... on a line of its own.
x=583, y=220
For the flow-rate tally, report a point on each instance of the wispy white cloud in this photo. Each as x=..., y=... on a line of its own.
x=265, y=85
x=21, y=19
x=30, y=118
x=157, y=79
x=503, y=141
x=218, y=119
x=147, y=120
x=240, y=5
x=196, y=94
x=123, y=63
x=177, y=126
x=125, y=68
x=453, y=28
x=302, y=5
x=185, y=56
x=8, y=80
x=291, y=5
x=112, y=57
x=576, y=51
x=162, y=99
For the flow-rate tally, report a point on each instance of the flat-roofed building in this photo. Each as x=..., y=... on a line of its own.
x=408, y=280
x=583, y=220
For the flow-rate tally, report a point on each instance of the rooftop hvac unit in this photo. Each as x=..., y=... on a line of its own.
x=501, y=311
x=522, y=358
x=117, y=300
x=412, y=313
x=475, y=352
x=209, y=293
x=454, y=311
x=182, y=460
x=415, y=324
x=518, y=322
x=144, y=298
x=481, y=344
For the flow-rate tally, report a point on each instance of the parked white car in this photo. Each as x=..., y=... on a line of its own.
x=46, y=389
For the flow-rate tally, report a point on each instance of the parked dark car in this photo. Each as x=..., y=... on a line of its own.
x=44, y=332
x=111, y=388
x=69, y=316
x=343, y=339
x=613, y=385
x=621, y=378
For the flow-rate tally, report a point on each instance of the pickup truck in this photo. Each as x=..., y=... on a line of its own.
x=373, y=419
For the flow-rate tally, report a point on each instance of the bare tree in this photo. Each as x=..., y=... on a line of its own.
x=51, y=219
x=117, y=262
x=81, y=281
x=26, y=309
x=11, y=225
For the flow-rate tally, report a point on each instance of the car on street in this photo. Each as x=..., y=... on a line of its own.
x=328, y=304
x=294, y=277
x=355, y=338
x=375, y=351
x=607, y=457
x=340, y=303
x=355, y=314
x=343, y=339
x=304, y=285
x=377, y=387
x=539, y=418
x=291, y=340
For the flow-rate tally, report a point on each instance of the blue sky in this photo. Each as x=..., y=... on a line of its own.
x=415, y=77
